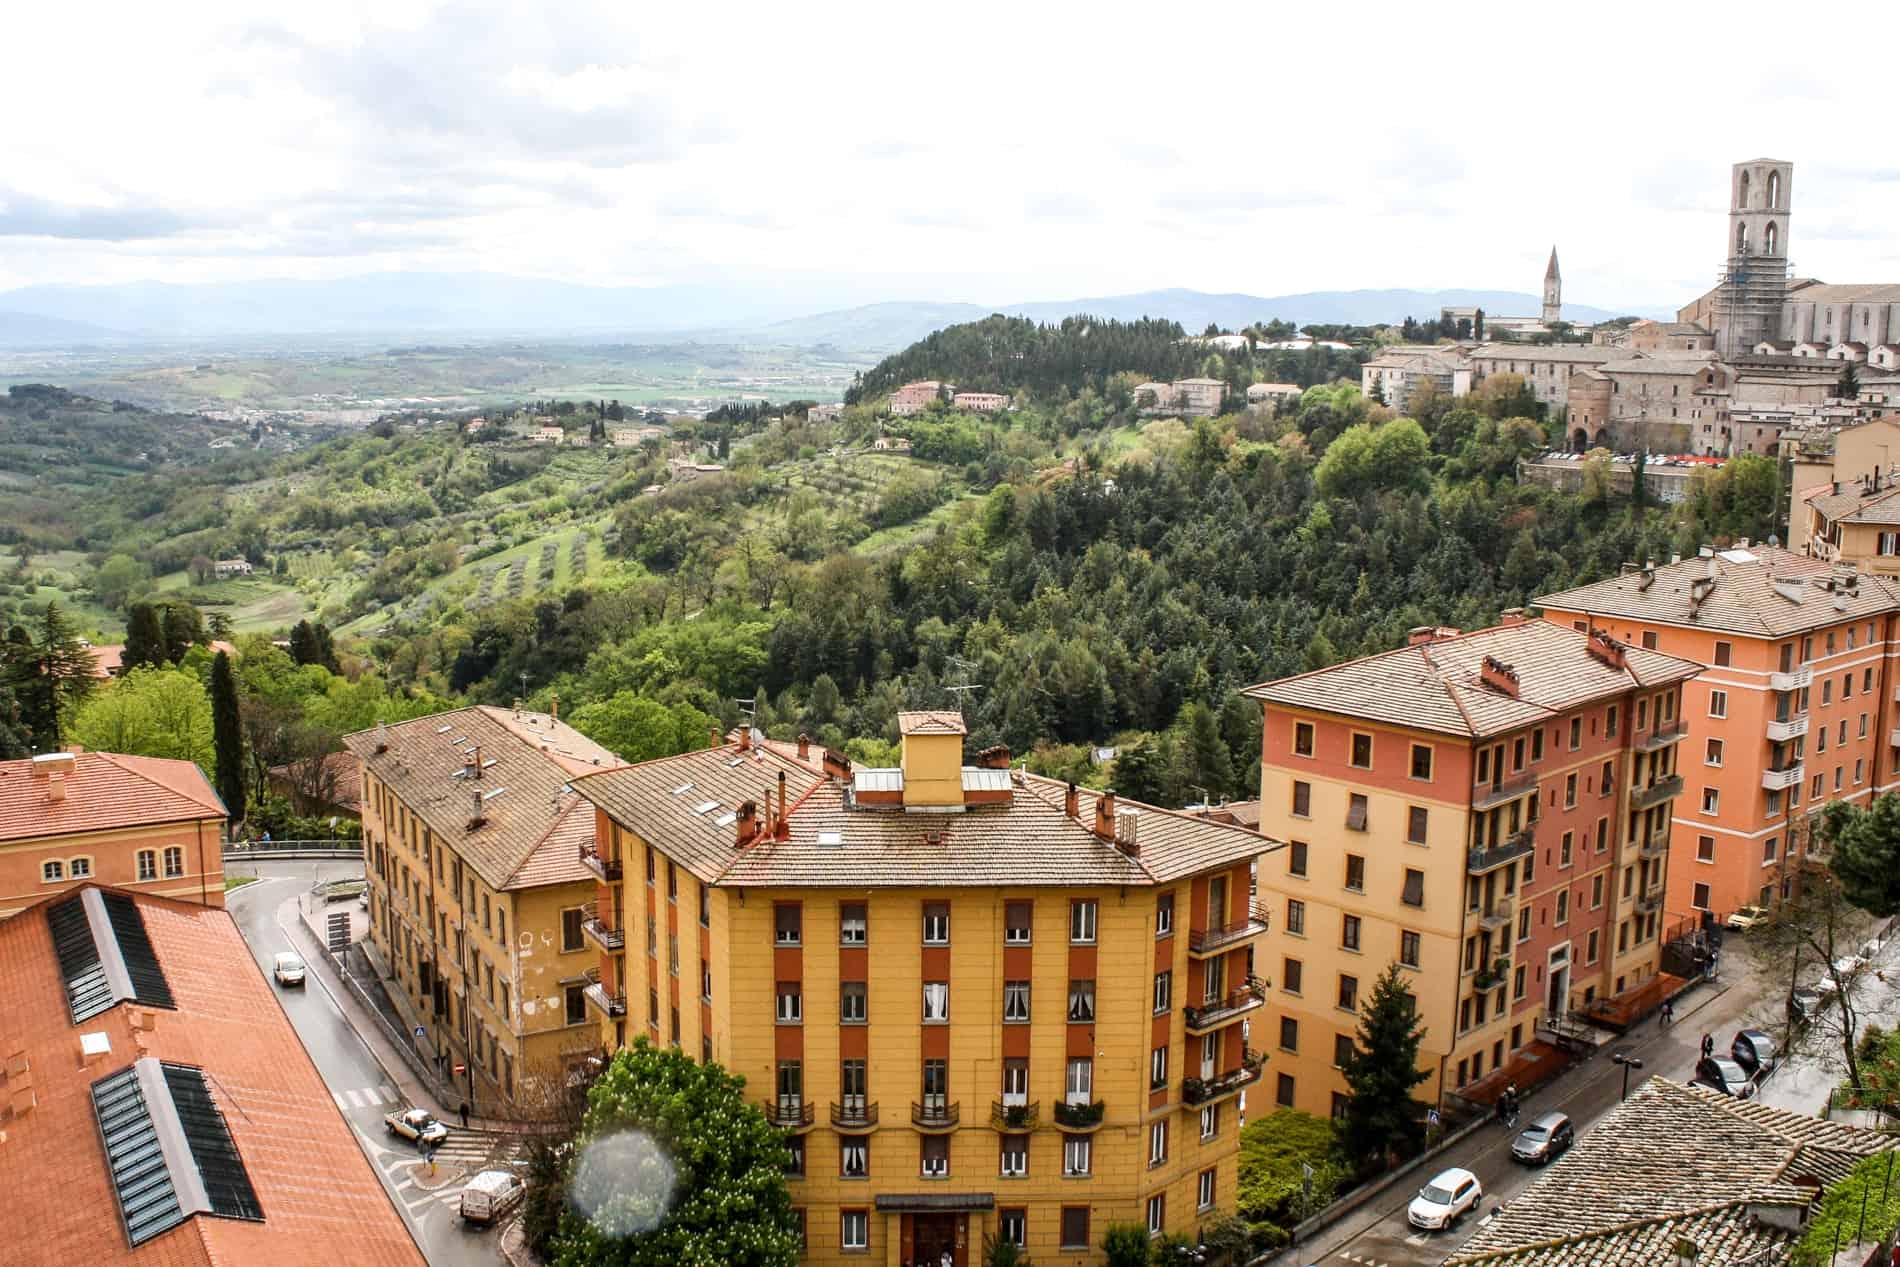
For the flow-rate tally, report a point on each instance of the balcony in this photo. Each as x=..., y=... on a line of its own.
x=1787, y=776
x=1199, y=1091
x=1500, y=913
x=1209, y=941
x=1656, y=793
x=790, y=1113
x=1080, y=1117
x=1479, y=860
x=1490, y=795
x=1647, y=902
x=1010, y=1118
x=1662, y=737
x=1656, y=846
x=604, y=869
x=1893, y=737
x=1781, y=730
x=1221, y=1011
x=1795, y=680
x=600, y=932
x=935, y=1116
x=1493, y=976
x=596, y=993
x=854, y=1117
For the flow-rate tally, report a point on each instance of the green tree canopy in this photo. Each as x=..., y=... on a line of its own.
x=1367, y=458
x=144, y=638
x=227, y=735
x=150, y=713
x=1273, y=1151
x=638, y=728
x=1382, y=1119
x=1865, y=851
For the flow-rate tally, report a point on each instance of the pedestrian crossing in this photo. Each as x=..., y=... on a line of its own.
x=366, y=1098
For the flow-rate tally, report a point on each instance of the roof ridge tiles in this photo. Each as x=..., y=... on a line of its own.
x=112, y=759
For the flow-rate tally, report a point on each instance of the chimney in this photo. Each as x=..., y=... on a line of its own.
x=475, y=806
x=716, y=739
x=1606, y=649
x=1512, y=616
x=784, y=825
x=1072, y=802
x=382, y=737
x=554, y=707
x=994, y=758
x=1418, y=634
x=55, y=787
x=836, y=765
x=475, y=769
x=804, y=746
x=1105, y=816
x=747, y=825
x=745, y=739
x=1499, y=676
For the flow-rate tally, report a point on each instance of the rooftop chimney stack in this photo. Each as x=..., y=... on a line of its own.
x=784, y=824
x=836, y=765
x=554, y=707
x=1105, y=816
x=716, y=739
x=1072, y=802
x=747, y=825
x=475, y=768
x=745, y=739
x=804, y=746
x=56, y=786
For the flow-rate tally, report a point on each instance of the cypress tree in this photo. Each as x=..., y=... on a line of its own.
x=144, y=638
x=1382, y=1118
x=303, y=644
x=228, y=735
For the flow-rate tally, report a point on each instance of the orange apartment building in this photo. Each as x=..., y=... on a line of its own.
x=978, y=1002
x=1488, y=810
x=141, y=823
x=1794, y=706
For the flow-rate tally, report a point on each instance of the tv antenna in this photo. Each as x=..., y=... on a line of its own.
x=963, y=670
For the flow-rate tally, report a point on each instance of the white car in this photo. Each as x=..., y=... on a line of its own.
x=1847, y=965
x=287, y=968
x=1447, y=1198
x=415, y=1124
x=1747, y=917
x=490, y=1195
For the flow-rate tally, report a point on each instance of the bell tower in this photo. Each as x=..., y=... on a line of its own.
x=1553, y=291
x=1754, y=284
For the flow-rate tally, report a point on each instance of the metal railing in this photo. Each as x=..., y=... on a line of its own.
x=1207, y=940
x=790, y=1113
x=1493, y=793
x=1015, y=1117
x=1237, y=1002
x=934, y=1116
x=1079, y=1116
x=854, y=1115
x=1663, y=736
x=1656, y=793
x=1202, y=1090
x=607, y=869
x=1479, y=859
x=605, y=935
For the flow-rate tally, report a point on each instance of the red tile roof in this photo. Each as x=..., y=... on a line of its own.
x=323, y=1205
x=936, y=722
x=104, y=791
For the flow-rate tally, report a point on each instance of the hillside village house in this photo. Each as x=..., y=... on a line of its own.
x=978, y=1003
x=139, y=823
x=980, y=402
x=1195, y=397
x=478, y=894
x=1488, y=810
x=1273, y=393
x=914, y=398
x=546, y=435
x=225, y=568
x=1793, y=707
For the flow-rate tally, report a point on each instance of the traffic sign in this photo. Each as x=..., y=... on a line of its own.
x=460, y=1069
x=418, y=1031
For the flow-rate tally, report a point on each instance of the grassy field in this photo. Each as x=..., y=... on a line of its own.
x=553, y=560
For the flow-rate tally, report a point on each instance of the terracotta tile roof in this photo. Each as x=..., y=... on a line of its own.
x=1882, y=507
x=322, y=1203
x=1437, y=686
x=527, y=762
x=1673, y=1161
x=108, y=659
x=1743, y=600
x=1174, y=844
x=104, y=791
x=943, y=722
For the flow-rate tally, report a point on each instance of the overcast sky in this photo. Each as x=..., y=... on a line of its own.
x=1014, y=152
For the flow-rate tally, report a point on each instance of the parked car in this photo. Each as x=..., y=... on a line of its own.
x=287, y=968
x=1847, y=966
x=1447, y=1198
x=1746, y=917
x=1755, y=1052
x=1724, y=1077
x=1807, y=1002
x=1544, y=1139
x=415, y=1124
x=490, y=1195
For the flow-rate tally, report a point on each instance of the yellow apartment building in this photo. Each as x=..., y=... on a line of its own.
x=1488, y=810
x=479, y=898
x=978, y=1002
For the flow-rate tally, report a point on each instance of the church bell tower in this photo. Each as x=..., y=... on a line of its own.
x=1755, y=283
x=1553, y=291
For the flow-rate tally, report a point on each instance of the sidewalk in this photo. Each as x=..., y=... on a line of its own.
x=370, y=1029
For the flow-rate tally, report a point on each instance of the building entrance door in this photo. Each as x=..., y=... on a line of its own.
x=937, y=1234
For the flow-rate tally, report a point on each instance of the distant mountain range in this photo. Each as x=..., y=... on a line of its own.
x=492, y=304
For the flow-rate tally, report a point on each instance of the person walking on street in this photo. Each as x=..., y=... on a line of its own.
x=1668, y=1014
x=465, y=1115
x=1708, y=1046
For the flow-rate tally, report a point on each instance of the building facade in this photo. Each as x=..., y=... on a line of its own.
x=1489, y=811
x=914, y=398
x=141, y=823
x=478, y=896
x=1793, y=707
x=978, y=1002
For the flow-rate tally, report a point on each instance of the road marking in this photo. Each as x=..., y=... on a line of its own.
x=390, y=1096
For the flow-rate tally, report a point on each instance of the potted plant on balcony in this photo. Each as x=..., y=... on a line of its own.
x=1015, y=1115
x=1193, y=1090
x=1494, y=975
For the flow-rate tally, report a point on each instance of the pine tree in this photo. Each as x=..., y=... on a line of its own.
x=1847, y=387
x=326, y=649
x=184, y=629
x=228, y=734
x=60, y=677
x=1382, y=1119
x=303, y=643
x=144, y=638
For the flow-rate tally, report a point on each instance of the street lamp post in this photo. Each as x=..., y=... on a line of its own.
x=1628, y=1063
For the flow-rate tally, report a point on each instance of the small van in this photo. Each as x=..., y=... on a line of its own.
x=490, y=1195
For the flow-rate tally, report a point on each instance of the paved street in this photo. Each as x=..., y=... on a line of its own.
x=358, y=1084
x=1379, y=1236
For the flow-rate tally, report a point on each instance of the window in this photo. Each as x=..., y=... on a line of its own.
x=1296, y=857
x=936, y=1156
x=1610, y=719
x=788, y=920
x=1362, y=750
x=936, y=923
x=1164, y=992
x=1714, y=755
x=1289, y=1034
x=1292, y=970
x=1349, y=932
x=1015, y=1158
x=1157, y=1143
x=854, y=1158
x=1416, y=819
x=1348, y=993
x=1413, y=894
x=1157, y=1210
x=1210, y=1121
x=1563, y=907
x=1570, y=791
x=1408, y=948
x=672, y=883
x=1204, y=1190
x=1590, y=955
x=705, y=980
x=51, y=870
x=936, y=1002
x=1537, y=744
x=1283, y=1088
x=1596, y=892
x=570, y=930
x=1303, y=738
x=1157, y=1068
x=1079, y=1087
x=1711, y=801
x=1649, y=639
x=1016, y=1001
x=1015, y=1080
x=1075, y=1155
x=649, y=870
x=81, y=867
x=1295, y=916
x=1769, y=848
x=1355, y=873
x=1705, y=849
x=1016, y=924
x=851, y=1002
x=795, y=1145
x=1082, y=922
x=1164, y=915
x=1722, y=650
x=1075, y=1227
x=1564, y=848
x=857, y=1227
x=1576, y=733
x=576, y=1004
x=1518, y=980
x=1356, y=811
x=1013, y=1225
x=1302, y=799
x=174, y=861
x=1700, y=900
x=852, y=926
x=148, y=864
x=1082, y=1001
x=1606, y=779
x=791, y=1003
x=1422, y=761
x=1342, y=1050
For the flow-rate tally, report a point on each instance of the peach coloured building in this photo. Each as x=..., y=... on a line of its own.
x=142, y=823
x=1794, y=707
x=914, y=398
x=1490, y=812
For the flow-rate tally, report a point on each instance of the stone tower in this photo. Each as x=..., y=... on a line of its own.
x=1754, y=284
x=1553, y=291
